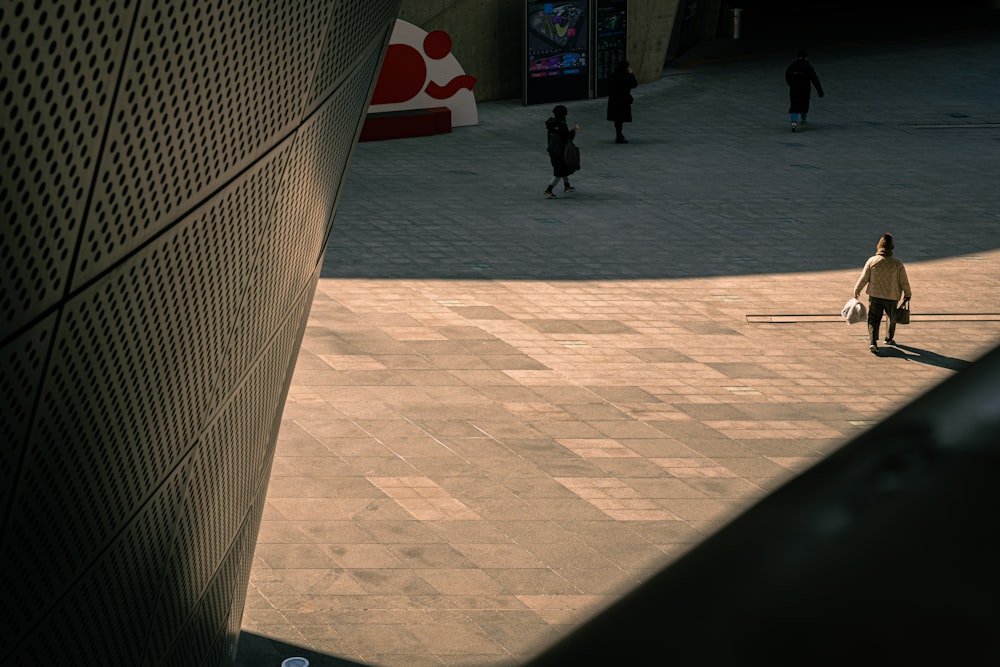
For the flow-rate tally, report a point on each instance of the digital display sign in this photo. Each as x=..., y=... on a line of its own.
x=557, y=39
x=611, y=41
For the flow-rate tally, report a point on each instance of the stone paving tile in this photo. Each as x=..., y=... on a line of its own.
x=507, y=410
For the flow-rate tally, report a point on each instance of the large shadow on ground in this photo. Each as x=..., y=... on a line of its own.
x=713, y=183
x=256, y=650
x=886, y=549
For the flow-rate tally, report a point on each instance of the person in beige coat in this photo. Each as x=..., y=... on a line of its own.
x=886, y=279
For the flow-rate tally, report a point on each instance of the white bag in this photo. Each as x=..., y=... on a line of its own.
x=854, y=311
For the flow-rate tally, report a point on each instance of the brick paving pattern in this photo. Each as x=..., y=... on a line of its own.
x=509, y=410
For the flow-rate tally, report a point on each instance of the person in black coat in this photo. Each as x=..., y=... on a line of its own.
x=620, y=98
x=800, y=77
x=558, y=135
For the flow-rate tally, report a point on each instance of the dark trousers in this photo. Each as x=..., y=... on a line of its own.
x=876, y=308
x=618, y=129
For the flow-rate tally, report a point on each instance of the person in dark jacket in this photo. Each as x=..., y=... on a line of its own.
x=800, y=77
x=620, y=98
x=558, y=135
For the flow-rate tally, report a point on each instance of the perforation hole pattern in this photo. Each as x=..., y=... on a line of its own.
x=166, y=312
x=122, y=347
x=243, y=555
x=227, y=472
x=57, y=71
x=203, y=639
x=355, y=27
x=123, y=585
x=142, y=388
x=316, y=164
x=21, y=365
x=188, y=119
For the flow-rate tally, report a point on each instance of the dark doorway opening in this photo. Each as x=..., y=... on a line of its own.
x=726, y=28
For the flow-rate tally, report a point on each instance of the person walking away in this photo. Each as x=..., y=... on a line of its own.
x=559, y=135
x=620, y=98
x=800, y=77
x=886, y=279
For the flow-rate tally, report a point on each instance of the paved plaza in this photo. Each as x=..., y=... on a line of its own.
x=509, y=410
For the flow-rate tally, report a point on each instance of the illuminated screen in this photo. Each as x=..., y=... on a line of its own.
x=557, y=38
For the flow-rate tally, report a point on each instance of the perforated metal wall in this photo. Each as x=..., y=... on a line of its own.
x=169, y=173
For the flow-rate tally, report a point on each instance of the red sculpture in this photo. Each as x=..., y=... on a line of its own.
x=404, y=72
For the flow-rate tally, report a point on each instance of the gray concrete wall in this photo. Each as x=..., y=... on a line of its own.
x=650, y=23
x=487, y=37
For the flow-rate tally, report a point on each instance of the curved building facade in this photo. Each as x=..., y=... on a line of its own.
x=170, y=172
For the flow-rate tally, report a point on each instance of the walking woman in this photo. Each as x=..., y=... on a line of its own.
x=559, y=135
x=885, y=277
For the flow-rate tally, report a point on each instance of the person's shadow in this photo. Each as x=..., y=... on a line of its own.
x=924, y=357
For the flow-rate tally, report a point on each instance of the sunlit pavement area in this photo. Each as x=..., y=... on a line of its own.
x=509, y=410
